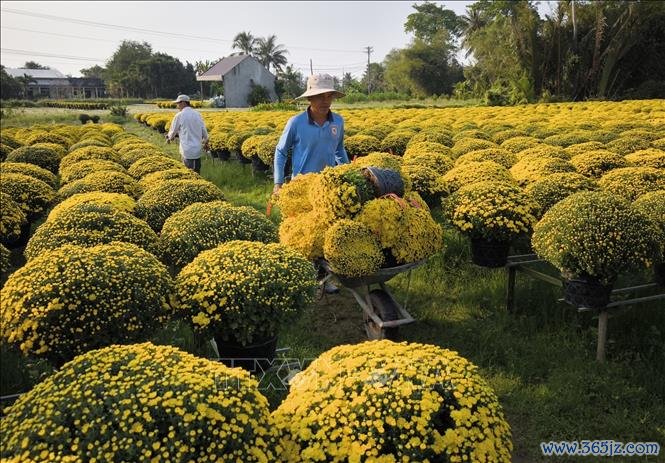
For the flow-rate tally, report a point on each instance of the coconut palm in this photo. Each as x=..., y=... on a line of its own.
x=202, y=66
x=245, y=42
x=268, y=52
x=473, y=22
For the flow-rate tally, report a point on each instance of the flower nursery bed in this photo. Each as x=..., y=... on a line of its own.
x=536, y=367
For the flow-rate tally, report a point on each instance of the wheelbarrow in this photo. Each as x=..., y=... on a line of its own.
x=382, y=314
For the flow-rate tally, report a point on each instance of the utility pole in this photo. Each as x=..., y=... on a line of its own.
x=311, y=69
x=369, y=51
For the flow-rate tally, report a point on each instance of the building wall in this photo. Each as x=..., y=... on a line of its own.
x=63, y=89
x=237, y=83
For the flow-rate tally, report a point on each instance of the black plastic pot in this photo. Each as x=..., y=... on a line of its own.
x=659, y=273
x=587, y=291
x=491, y=254
x=258, y=165
x=254, y=358
x=22, y=239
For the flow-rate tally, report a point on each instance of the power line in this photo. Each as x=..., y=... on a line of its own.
x=12, y=51
x=148, y=31
x=110, y=26
x=361, y=63
x=101, y=40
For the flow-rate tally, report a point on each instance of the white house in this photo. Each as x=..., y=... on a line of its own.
x=239, y=73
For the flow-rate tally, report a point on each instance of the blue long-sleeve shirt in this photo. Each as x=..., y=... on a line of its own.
x=314, y=146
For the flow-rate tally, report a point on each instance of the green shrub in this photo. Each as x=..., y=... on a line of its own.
x=12, y=219
x=166, y=198
x=553, y=188
x=466, y=145
x=595, y=163
x=32, y=195
x=42, y=157
x=87, y=153
x=80, y=169
x=472, y=172
x=257, y=95
x=532, y=169
x=426, y=403
x=120, y=111
x=396, y=142
x=118, y=292
x=104, y=181
x=91, y=224
x=595, y=234
x=149, y=164
x=203, y=226
x=31, y=170
x=361, y=145
x=633, y=182
x=245, y=291
x=191, y=409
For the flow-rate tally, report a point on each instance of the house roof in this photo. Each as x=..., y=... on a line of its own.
x=223, y=67
x=36, y=73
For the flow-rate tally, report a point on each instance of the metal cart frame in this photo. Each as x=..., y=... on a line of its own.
x=377, y=304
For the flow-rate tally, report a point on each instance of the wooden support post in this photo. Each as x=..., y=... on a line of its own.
x=602, y=336
x=510, y=290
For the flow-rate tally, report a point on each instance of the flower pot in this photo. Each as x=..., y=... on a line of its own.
x=254, y=358
x=22, y=239
x=258, y=165
x=492, y=254
x=241, y=158
x=224, y=155
x=587, y=291
x=659, y=273
x=385, y=181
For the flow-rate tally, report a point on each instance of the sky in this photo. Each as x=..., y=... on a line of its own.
x=69, y=36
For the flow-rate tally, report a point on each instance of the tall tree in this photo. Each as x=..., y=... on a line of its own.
x=123, y=75
x=376, y=79
x=430, y=19
x=268, y=52
x=474, y=21
x=9, y=86
x=245, y=42
x=94, y=71
x=134, y=71
x=34, y=65
x=290, y=83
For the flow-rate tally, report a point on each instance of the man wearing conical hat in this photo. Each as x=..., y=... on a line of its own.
x=317, y=139
x=316, y=135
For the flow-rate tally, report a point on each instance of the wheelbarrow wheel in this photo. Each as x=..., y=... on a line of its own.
x=386, y=309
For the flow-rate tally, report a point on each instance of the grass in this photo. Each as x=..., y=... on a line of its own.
x=540, y=359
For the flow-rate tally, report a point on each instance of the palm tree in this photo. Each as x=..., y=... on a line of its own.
x=473, y=22
x=268, y=52
x=292, y=82
x=245, y=42
x=202, y=66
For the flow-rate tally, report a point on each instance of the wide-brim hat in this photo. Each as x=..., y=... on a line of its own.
x=320, y=83
x=181, y=98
